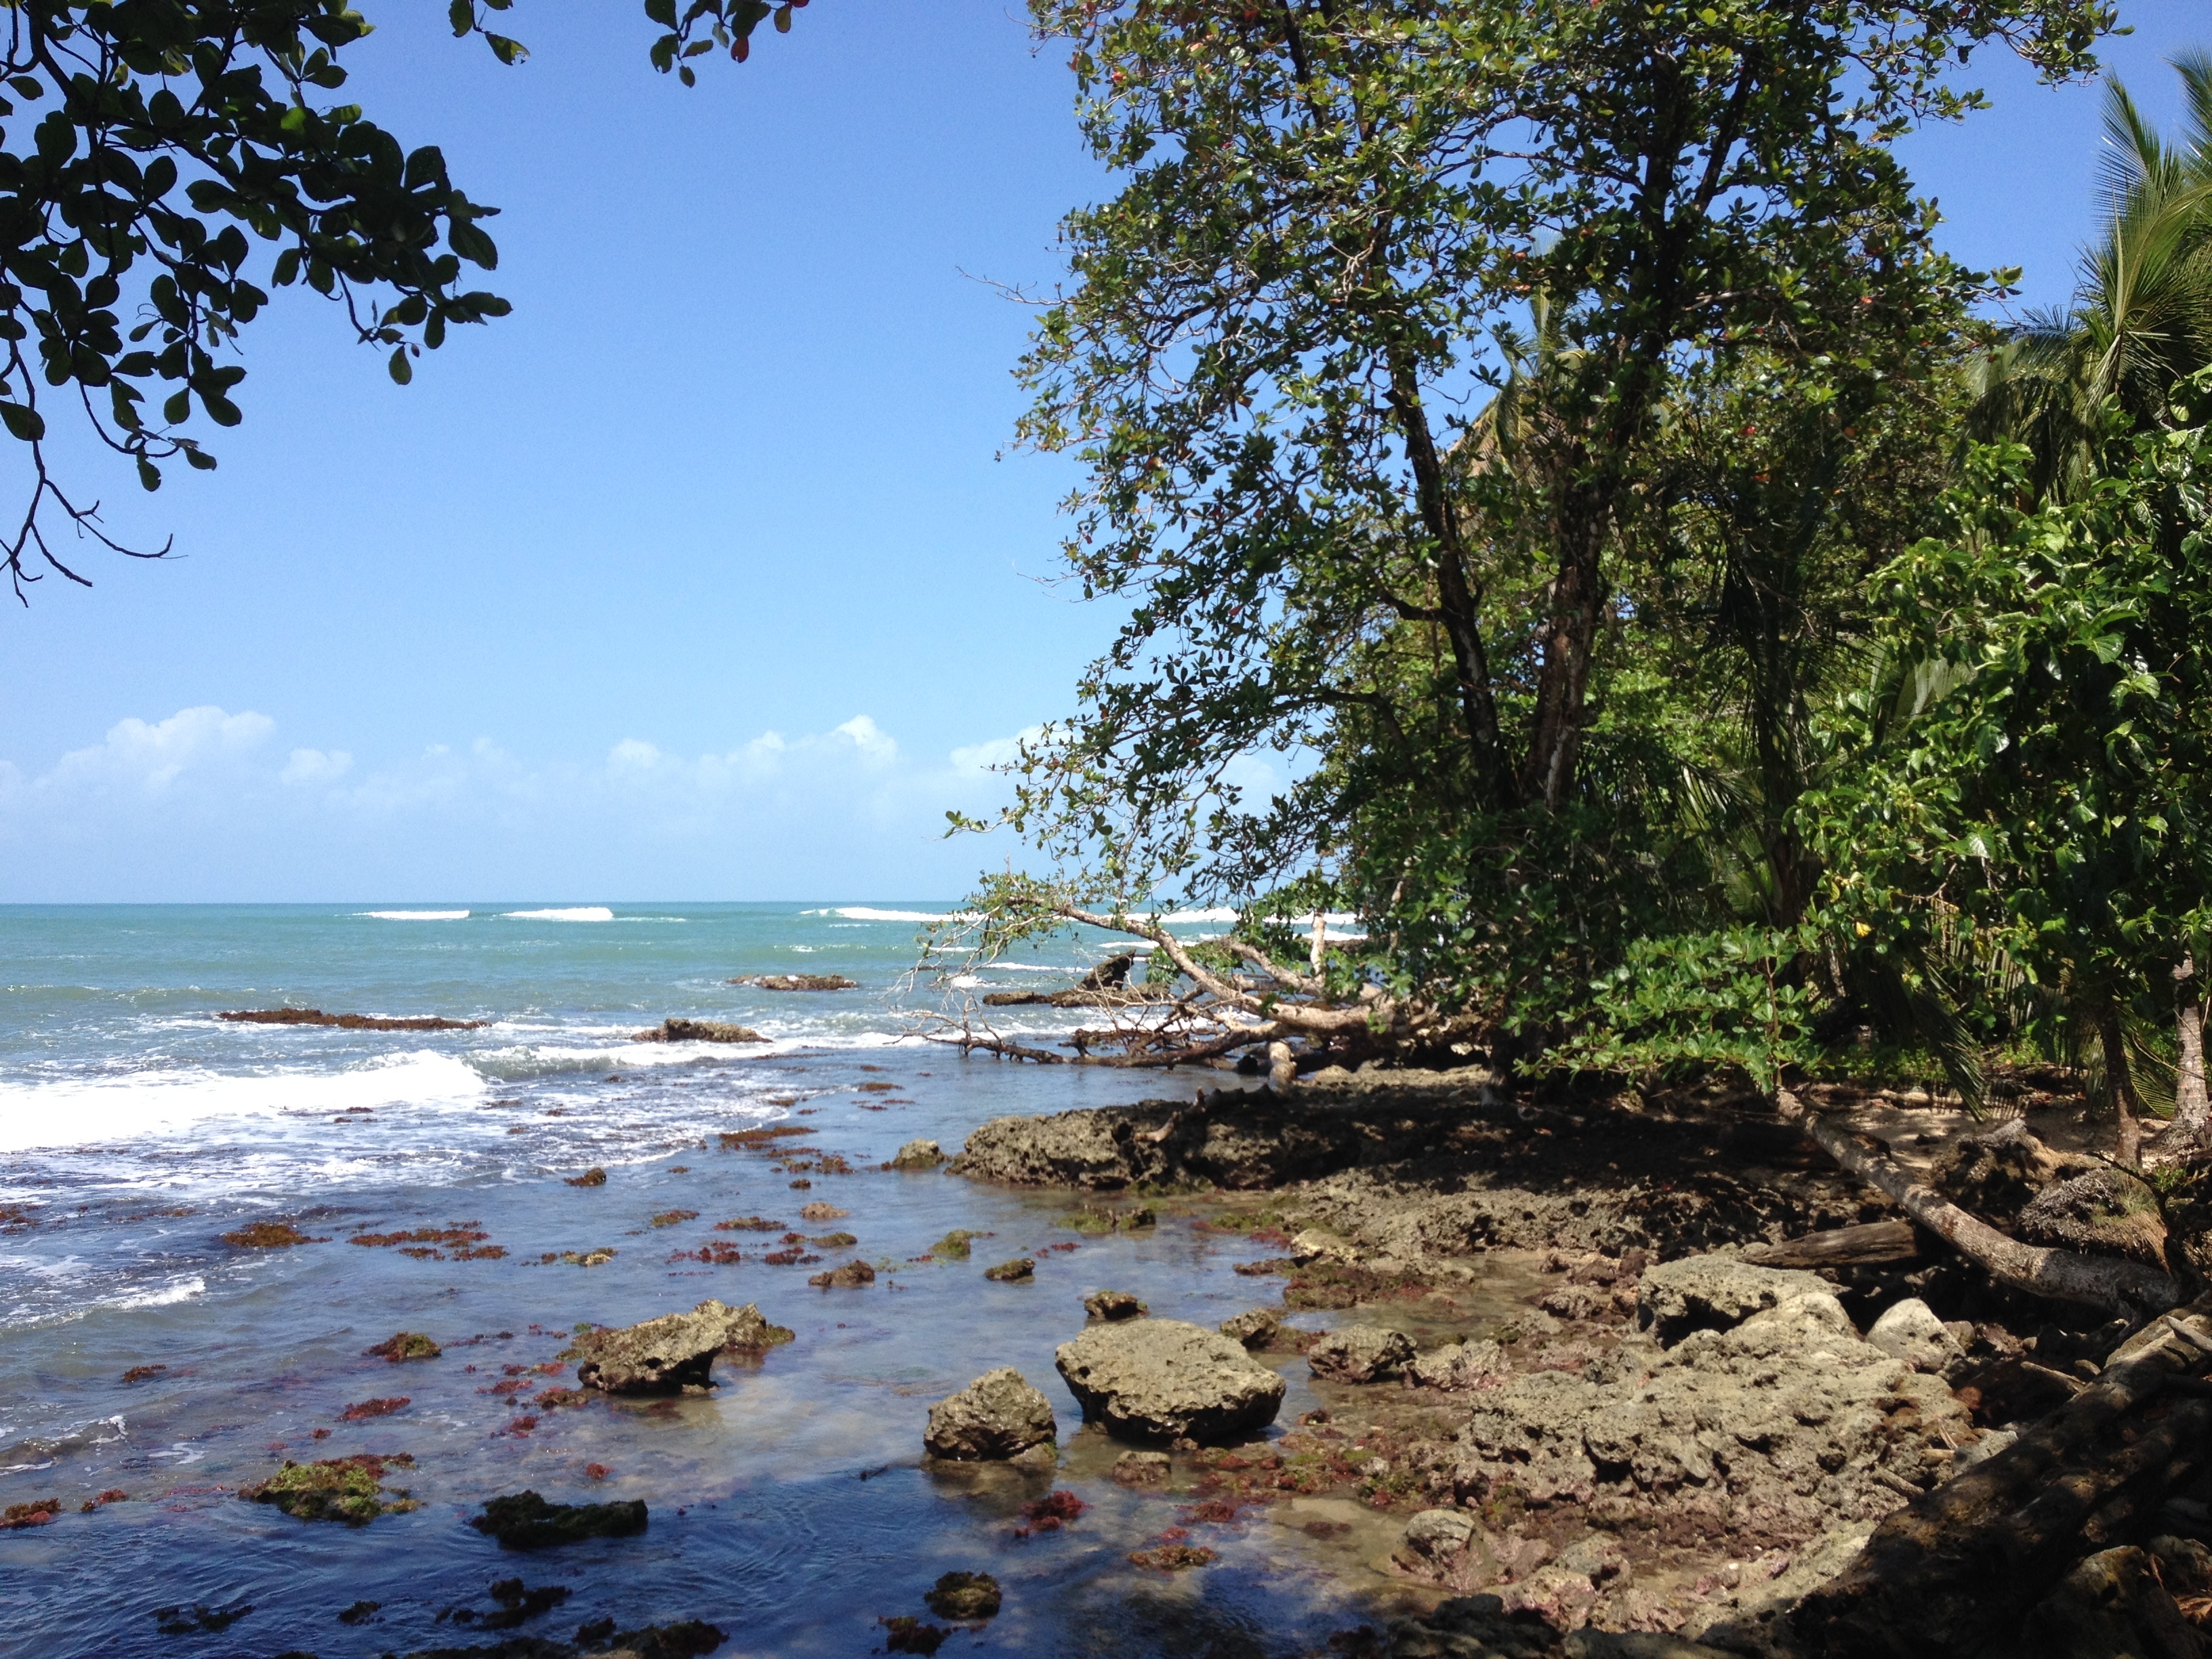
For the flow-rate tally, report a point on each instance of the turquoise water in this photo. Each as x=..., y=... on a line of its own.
x=788, y=1508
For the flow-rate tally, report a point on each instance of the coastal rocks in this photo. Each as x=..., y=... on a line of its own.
x=1228, y=1139
x=1113, y=1304
x=698, y=1030
x=591, y=1177
x=797, y=981
x=670, y=1354
x=1162, y=1380
x=954, y=1246
x=1021, y=1269
x=1764, y=1436
x=822, y=1212
x=345, y=1489
x=1909, y=1331
x=1255, y=1328
x=1359, y=1353
x=996, y=1418
x=964, y=1597
x=525, y=1521
x=1485, y=1627
x=850, y=1277
x=918, y=1155
x=1713, y=1293
x=1435, y=1544
x=346, y=1022
x=2106, y=1210
x=1458, y=1365
x=1142, y=1469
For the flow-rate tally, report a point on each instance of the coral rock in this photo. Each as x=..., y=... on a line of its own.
x=1359, y=1353
x=1163, y=1380
x=918, y=1155
x=672, y=1352
x=997, y=1417
x=1113, y=1304
x=1256, y=1327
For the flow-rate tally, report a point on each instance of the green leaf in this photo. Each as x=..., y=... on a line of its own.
x=402, y=370
x=150, y=476
x=22, y=423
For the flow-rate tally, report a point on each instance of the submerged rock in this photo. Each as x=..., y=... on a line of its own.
x=698, y=1030
x=797, y=981
x=403, y=1345
x=997, y=1417
x=346, y=1489
x=346, y=1022
x=1161, y=1379
x=1713, y=1293
x=670, y=1353
x=1012, y=1273
x=850, y=1277
x=964, y=1596
x=1113, y=1304
x=1142, y=1468
x=918, y=1155
x=525, y=1521
x=1255, y=1328
x=1359, y=1353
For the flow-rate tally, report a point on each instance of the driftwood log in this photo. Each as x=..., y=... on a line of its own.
x=1870, y=1244
x=1958, y=1572
x=2109, y=1282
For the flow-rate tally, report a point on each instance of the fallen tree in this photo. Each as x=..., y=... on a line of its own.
x=2108, y=1282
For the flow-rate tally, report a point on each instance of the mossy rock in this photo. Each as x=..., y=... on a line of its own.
x=345, y=1489
x=403, y=1346
x=1021, y=1268
x=964, y=1596
x=953, y=1247
x=525, y=1521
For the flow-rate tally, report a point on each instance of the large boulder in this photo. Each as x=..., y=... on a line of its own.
x=1161, y=1379
x=1359, y=1353
x=1764, y=1436
x=996, y=1418
x=672, y=1354
x=1713, y=1293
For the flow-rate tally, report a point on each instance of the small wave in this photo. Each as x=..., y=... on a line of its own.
x=176, y=1290
x=863, y=913
x=82, y=1111
x=414, y=915
x=573, y=913
x=42, y=1452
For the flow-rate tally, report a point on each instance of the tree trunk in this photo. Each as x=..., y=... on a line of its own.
x=2096, y=1281
x=2191, y=1136
x=2121, y=1080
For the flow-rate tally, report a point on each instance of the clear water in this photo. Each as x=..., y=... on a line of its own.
x=789, y=1507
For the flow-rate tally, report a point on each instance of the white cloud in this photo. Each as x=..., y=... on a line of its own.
x=203, y=805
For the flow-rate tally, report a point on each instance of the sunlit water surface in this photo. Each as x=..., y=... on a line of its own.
x=789, y=1507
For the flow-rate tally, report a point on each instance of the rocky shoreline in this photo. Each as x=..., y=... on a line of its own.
x=1671, y=1451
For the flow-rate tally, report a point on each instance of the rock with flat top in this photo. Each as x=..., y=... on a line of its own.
x=1161, y=1380
x=1359, y=1353
x=1714, y=1293
x=997, y=1417
x=672, y=1354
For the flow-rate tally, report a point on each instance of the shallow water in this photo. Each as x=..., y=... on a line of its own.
x=788, y=1507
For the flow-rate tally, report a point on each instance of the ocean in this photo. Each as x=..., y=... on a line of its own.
x=142, y=1354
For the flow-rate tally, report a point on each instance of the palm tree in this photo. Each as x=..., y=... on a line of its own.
x=2142, y=316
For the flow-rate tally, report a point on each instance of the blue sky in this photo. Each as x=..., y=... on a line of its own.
x=699, y=575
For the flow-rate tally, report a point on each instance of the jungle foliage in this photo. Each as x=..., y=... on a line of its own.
x=1688, y=633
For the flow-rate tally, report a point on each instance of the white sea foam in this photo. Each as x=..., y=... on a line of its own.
x=78, y=1112
x=414, y=915
x=181, y=1289
x=573, y=913
x=863, y=913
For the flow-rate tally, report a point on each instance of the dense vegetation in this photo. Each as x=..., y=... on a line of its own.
x=1695, y=636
